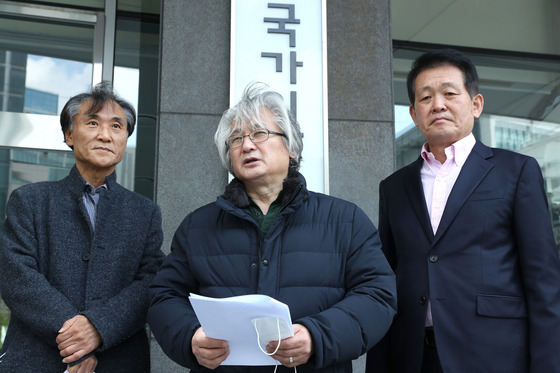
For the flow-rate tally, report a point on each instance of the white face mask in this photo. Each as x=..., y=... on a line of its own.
x=271, y=329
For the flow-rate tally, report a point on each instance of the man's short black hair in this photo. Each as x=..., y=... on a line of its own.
x=443, y=57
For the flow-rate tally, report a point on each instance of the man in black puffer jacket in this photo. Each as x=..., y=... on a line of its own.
x=267, y=234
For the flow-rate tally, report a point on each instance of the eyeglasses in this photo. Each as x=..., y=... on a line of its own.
x=256, y=136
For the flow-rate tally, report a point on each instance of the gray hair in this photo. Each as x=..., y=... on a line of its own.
x=256, y=97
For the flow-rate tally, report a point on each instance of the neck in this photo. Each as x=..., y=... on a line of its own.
x=439, y=154
x=264, y=196
x=438, y=150
x=95, y=177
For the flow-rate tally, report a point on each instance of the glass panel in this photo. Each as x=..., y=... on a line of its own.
x=54, y=79
x=136, y=6
x=136, y=79
x=53, y=38
x=521, y=111
x=510, y=25
x=139, y=6
x=42, y=64
x=85, y=4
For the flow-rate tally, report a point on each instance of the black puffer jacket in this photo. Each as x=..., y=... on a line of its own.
x=321, y=256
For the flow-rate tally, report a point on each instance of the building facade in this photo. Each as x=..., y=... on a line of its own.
x=171, y=58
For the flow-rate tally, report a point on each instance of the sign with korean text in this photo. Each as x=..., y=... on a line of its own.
x=283, y=44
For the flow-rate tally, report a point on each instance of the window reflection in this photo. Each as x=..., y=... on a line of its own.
x=58, y=77
x=12, y=80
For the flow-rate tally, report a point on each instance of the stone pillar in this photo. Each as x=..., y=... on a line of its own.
x=194, y=92
x=361, y=129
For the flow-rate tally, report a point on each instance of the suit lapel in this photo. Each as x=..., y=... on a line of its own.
x=473, y=172
x=415, y=193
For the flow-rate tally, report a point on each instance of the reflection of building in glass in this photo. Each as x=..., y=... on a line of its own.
x=12, y=80
x=39, y=102
x=540, y=140
x=30, y=166
x=12, y=91
x=514, y=133
x=23, y=166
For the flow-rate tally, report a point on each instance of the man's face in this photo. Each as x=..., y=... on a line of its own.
x=264, y=163
x=99, y=139
x=443, y=110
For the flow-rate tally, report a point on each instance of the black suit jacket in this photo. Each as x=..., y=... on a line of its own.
x=491, y=271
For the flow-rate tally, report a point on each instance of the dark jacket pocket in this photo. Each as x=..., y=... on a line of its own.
x=482, y=195
x=501, y=306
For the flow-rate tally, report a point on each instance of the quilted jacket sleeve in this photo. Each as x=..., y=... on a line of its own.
x=358, y=321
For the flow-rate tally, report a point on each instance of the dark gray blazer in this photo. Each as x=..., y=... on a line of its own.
x=53, y=266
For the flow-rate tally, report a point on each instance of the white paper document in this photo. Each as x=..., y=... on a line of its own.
x=234, y=319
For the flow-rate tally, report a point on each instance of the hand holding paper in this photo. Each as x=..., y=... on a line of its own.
x=230, y=319
x=209, y=352
x=299, y=347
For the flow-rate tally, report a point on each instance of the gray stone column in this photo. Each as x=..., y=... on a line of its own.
x=361, y=129
x=194, y=92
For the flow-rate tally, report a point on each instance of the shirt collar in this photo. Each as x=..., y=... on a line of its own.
x=460, y=150
x=88, y=188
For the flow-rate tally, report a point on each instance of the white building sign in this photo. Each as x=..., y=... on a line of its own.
x=283, y=44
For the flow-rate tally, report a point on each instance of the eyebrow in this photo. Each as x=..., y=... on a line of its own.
x=115, y=119
x=442, y=85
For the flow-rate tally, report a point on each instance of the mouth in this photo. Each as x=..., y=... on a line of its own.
x=250, y=160
x=103, y=149
x=440, y=120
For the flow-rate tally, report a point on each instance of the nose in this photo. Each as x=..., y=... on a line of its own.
x=104, y=133
x=248, y=144
x=438, y=104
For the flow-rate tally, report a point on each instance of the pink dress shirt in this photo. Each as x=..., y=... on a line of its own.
x=438, y=181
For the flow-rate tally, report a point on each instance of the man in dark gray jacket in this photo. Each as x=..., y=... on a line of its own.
x=77, y=255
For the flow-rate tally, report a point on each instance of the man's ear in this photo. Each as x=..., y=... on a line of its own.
x=478, y=105
x=68, y=137
x=412, y=113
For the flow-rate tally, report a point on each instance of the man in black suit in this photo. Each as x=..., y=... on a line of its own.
x=467, y=231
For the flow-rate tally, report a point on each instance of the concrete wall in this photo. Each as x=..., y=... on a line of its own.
x=194, y=92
